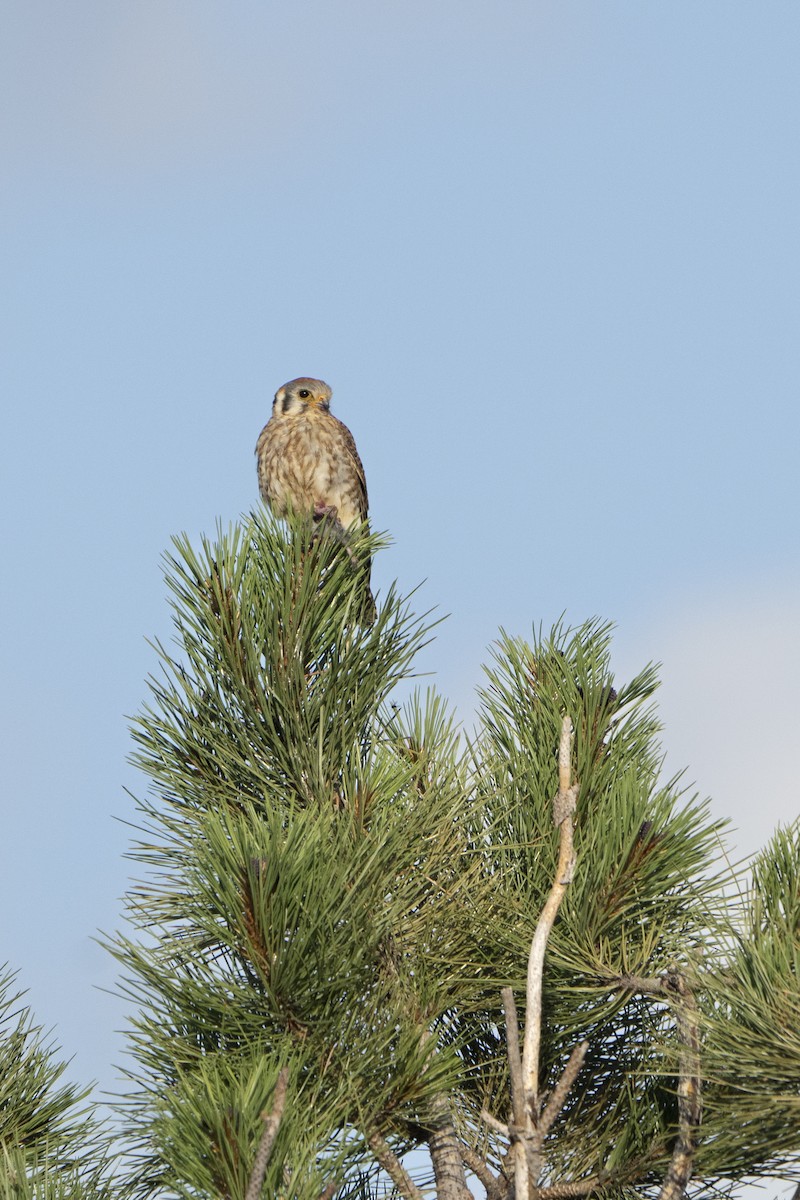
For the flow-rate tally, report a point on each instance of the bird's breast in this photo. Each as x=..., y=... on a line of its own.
x=303, y=464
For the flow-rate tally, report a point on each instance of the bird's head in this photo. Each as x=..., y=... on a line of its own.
x=301, y=395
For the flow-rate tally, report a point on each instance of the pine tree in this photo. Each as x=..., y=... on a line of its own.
x=346, y=903
x=370, y=952
x=50, y=1147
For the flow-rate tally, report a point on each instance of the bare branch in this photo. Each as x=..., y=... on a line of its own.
x=673, y=988
x=679, y=1171
x=496, y=1187
x=521, y=1126
x=563, y=807
x=514, y=1057
x=561, y=1090
x=493, y=1123
x=271, y=1122
x=526, y=1132
x=393, y=1167
x=565, y=755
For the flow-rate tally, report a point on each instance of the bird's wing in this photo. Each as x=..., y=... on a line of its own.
x=263, y=479
x=352, y=452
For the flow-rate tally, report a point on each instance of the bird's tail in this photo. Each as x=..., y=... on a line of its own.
x=327, y=524
x=368, y=608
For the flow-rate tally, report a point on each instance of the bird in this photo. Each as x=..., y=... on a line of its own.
x=308, y=462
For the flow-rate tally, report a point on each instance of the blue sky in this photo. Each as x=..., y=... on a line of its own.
x=545, y=253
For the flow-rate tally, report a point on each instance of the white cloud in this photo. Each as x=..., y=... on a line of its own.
x=144, y=85
x=138, y=87
x=730, y=700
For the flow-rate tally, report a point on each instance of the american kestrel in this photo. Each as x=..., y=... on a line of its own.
x=307, y=459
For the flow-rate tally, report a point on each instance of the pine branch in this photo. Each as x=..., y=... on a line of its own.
x=391, y=1164
x=566, y=1191
x=271, y=1122
x=689, y=1101
x=639, y=983
x=496, y=1186
x=446, y=1154
x=674, y=988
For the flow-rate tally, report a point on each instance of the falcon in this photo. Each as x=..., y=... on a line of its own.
x=308, y=461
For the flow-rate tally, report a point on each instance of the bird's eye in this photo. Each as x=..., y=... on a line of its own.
x=304, y=393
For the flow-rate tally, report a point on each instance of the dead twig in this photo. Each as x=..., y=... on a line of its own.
x=563, y=808
x=493, y=1123
x=530, y=1125
x=514, y=1057
x=520, y=1131
x=559, y=1094
x=271, y=1122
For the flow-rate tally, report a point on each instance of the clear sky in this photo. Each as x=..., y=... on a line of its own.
x=545, y=253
